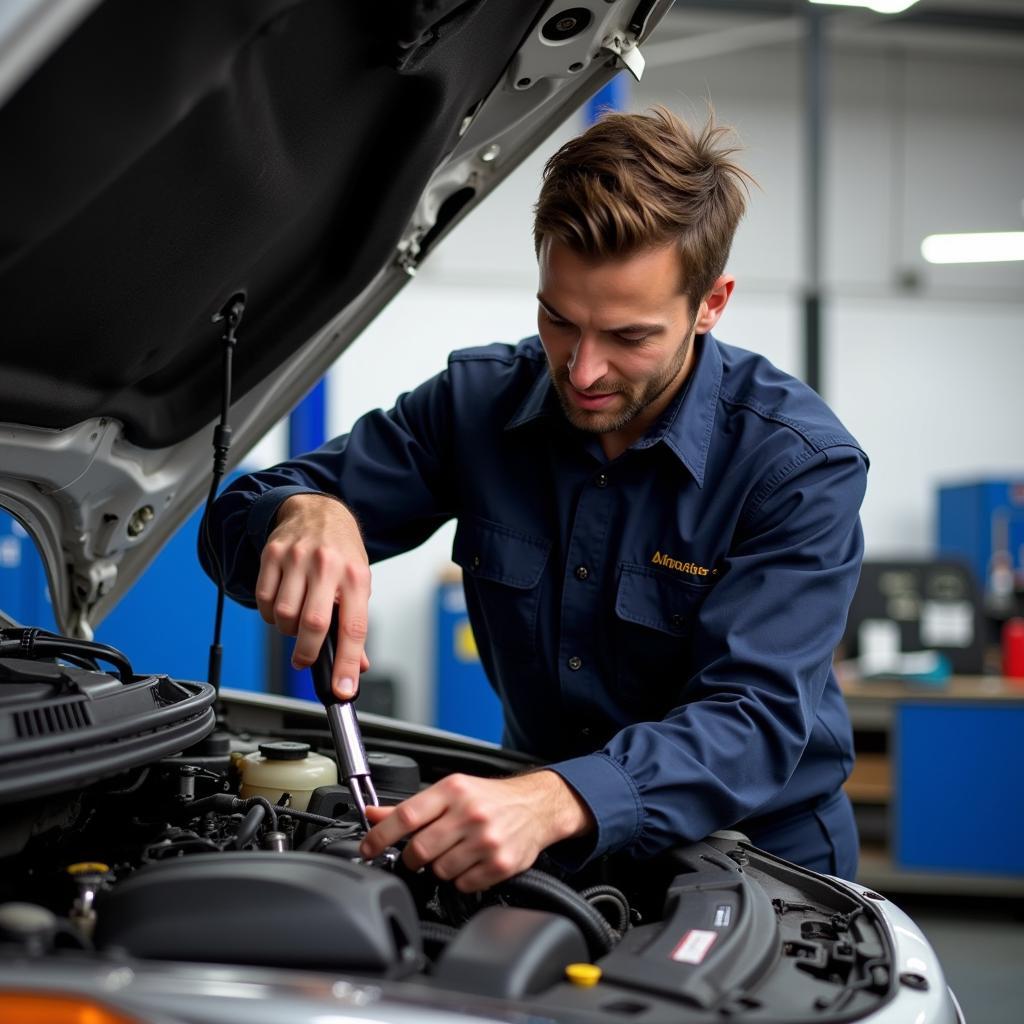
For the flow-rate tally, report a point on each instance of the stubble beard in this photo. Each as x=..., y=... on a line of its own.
x=637, y=399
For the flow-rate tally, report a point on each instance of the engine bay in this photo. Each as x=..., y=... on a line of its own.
x=242, y=849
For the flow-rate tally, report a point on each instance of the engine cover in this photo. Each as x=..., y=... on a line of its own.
x=285, y=909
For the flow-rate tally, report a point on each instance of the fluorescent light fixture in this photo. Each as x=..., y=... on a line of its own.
x=979, y=247
x=878, y=6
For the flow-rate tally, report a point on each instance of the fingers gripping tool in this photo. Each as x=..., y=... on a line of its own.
x=348, y=740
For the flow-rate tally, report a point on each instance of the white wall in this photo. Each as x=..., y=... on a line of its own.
x=925, y=364
x=933, y=393
x=929, y=378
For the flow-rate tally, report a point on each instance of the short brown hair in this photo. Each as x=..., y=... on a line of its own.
x=637, y=181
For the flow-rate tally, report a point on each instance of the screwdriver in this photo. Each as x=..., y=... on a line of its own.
x=348, y=740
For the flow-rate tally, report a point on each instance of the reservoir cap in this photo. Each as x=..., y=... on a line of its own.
x=285, y=750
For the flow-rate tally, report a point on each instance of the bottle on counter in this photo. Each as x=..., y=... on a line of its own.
x=1013, y=650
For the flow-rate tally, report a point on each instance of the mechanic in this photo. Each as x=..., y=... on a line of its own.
x=659, y=538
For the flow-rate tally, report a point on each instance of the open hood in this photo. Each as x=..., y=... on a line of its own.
x=163, y=159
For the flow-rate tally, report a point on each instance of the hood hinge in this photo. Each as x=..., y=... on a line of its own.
x=408, y=253
x=627, y=52
x=87, y=588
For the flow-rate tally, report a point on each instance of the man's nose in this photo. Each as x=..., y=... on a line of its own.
x=587, y=364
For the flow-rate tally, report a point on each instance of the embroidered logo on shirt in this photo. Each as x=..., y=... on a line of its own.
x=688, y=567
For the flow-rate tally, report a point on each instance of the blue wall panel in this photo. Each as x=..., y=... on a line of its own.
x=23, y=592
x=164, y=623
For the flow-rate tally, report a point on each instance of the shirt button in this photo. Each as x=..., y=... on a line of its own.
x=585, y=732
x=677, y=621
x=575, y=663
x=582, y=572
x=601, y=480
x=475, y=562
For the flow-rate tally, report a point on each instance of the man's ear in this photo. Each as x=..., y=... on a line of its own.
x=713, y=305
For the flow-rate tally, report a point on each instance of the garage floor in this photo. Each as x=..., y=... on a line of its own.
x=981, y=946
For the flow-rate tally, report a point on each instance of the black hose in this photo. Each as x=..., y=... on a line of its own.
x=537, y=887
x=622, y=922
x=40, y=643
x=263, y=802
x=434, y=931
x=609, y=894
x=225, y=803
x=313, y=819
x=249, y=826
x=323, y=838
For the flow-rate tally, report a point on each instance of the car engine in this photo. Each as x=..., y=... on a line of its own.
x=242, y=849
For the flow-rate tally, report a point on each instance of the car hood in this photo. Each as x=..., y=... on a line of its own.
x=166, y=159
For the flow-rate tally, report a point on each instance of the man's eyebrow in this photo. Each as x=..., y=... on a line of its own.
x=549, y=309
x=626, y=329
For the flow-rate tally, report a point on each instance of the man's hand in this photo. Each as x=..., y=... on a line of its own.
x=313, y=559
x=478, y=832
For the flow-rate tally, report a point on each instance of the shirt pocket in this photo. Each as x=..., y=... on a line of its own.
x=655, y=616
x=502, y=570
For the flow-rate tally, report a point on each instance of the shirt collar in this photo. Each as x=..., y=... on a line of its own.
x=684, y=427
x=540, y=400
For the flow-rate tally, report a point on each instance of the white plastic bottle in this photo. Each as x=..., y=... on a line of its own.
x=285, y=767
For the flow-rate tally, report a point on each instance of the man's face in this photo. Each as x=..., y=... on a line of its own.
x=617, y=335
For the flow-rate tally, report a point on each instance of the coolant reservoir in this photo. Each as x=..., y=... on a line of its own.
x=285, y=767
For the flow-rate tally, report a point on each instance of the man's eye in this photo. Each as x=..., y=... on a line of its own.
x=630, y=340
x=557, y=323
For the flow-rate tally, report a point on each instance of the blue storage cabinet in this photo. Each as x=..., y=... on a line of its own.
x=973, y=515
x=959, y=787
x=164, y=623
x=465, y=702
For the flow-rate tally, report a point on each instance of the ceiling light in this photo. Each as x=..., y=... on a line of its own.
x=878, y=6
x=979, y=247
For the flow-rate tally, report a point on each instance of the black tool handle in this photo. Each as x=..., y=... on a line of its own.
x=324, y=666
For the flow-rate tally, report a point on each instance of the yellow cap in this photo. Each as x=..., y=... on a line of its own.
x=88, y=868
x=584, y=975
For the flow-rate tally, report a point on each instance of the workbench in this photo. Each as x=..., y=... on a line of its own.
x=938, y=784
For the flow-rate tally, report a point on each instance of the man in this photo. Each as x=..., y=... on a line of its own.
x=659, y=536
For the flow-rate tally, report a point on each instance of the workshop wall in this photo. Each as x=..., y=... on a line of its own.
x=923, y=363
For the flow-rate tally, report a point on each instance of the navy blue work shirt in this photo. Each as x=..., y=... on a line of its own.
x=659, y=625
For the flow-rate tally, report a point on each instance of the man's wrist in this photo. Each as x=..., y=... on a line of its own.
x=305, y=502
x=293, y=504
x=566, y=813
